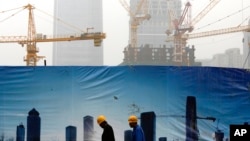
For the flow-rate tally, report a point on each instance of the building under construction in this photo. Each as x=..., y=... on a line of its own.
x=157, y=56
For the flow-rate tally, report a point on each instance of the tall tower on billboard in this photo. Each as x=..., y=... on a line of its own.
x=148, y=124
x=20, y=133
x=71, y=133
x=77, y=16
x=33, y=126
x=152, y=32
x=88, y=128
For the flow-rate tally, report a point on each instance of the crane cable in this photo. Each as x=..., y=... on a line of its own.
x=58, y=19
x=72, y=26
x=12, y=14
x=10, y=10
x=224, y=18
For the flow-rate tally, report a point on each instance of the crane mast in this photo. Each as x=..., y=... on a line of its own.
x=31, y=57
x=181, y=29
x=137, y=15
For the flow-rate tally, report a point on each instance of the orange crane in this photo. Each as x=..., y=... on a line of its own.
x=137, y=15
x=31, y=39
x=184, y=24
x=171, y=17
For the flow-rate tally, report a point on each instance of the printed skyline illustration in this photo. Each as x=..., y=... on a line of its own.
x=63, y=96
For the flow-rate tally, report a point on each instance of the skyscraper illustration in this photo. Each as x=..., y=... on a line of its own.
x=71, y=133
x=148, y=120
x=128, y=135
x=162, y=138
x=191, y=119
x=33, y=126
x=77, y=17
x=88, y=128
x=20, y=132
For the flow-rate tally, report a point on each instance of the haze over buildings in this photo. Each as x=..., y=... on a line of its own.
x=116, y=25
x=232, y=57
x=82, y=16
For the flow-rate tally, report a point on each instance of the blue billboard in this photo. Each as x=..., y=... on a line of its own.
x=172, y=103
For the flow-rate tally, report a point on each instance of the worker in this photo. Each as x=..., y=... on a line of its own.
x=108, y=133
x=137, y=134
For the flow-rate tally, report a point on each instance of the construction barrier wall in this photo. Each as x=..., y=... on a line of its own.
x=172, y=103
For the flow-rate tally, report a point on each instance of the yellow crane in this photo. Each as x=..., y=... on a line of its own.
x=31, y=39
x=137, y=15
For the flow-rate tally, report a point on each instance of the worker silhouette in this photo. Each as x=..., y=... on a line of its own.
x=108, y=133
x=137, y=134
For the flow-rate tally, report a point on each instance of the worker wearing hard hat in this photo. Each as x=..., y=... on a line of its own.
x=108, y=133
x=137, y=134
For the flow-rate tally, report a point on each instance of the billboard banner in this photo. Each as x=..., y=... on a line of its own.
x=172, y=103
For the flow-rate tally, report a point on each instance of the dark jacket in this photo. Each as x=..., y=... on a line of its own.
x=108, y=133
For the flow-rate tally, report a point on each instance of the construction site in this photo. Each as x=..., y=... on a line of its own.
x=158, y=70
x=164, y=45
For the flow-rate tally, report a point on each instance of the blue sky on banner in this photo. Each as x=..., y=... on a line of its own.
x=117, y=29
x=64, y=95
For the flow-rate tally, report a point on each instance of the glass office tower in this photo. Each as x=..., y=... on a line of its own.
x=73, y=17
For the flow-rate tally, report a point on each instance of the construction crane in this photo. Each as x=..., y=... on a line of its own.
x=171, y=17
x=183, y=25
x=32, y=38
x=137, y=15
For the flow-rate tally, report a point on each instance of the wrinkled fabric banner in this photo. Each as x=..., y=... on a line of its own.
x=173, y=103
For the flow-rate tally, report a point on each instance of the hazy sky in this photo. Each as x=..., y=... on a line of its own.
x=116, y=27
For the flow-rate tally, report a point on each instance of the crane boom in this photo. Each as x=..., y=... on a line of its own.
x=218, y=32
x=204, y=11
x=97, y=37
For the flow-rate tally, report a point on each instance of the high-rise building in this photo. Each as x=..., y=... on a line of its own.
x=88, y=128
x=75, y=17
x=246, y=51
x=33, y=126
x=71, y=133
x=151, y=44
x=153, y=31
x=20, y=132
x=234, y=58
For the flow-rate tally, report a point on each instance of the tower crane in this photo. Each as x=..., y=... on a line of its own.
x=171, y=17
x=137, y=15
x=31, y=39
x=184, y=24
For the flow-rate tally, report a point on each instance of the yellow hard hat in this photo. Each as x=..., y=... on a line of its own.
x=132, y=119
x=100, y=119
